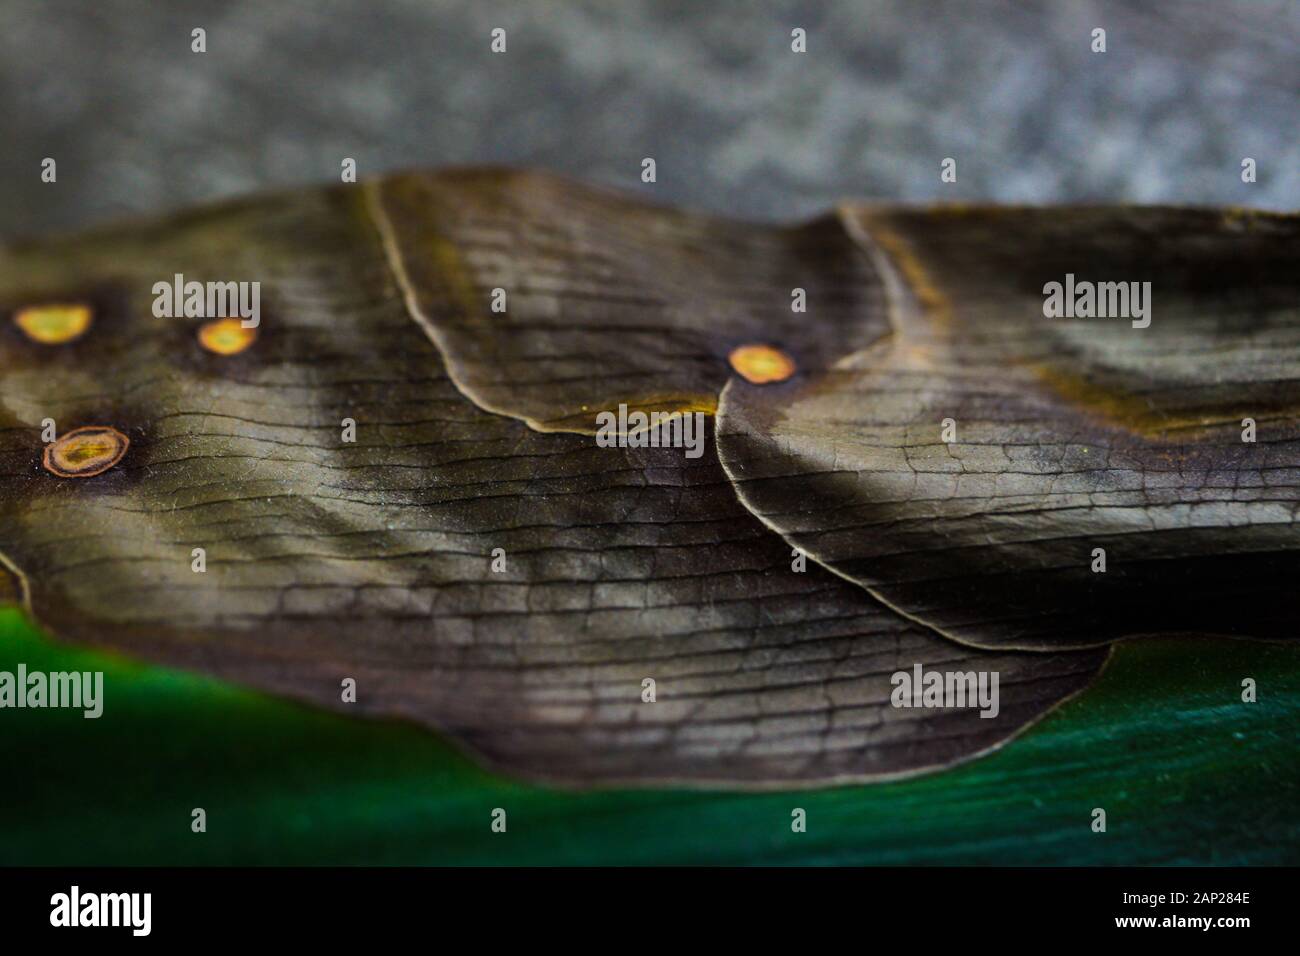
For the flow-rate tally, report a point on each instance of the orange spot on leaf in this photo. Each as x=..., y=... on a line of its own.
x=86, y=451
x=761, y=364
x=54, y=323
x=226, y=336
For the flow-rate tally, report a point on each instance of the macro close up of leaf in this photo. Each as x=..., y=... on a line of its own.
x=479, y=564
x=1173, y=447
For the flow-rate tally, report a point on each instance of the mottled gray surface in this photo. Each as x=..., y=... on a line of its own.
x=735, y=120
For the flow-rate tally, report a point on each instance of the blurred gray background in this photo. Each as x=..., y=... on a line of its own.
x=736, y=122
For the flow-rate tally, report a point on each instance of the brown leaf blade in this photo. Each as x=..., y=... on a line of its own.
x=609, y=300
x=371, y=560
x=1072, y=434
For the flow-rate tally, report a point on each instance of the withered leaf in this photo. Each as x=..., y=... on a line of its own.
x=610, y=300
x=327, y=559
x=1075, y=438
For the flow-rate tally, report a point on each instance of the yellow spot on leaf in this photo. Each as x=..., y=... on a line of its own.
x=55, y=323
x=665, y=404
x=761, y=364
x=226, y=336
x=86, y=451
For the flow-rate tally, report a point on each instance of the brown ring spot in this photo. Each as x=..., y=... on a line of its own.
x=226, y=336
x=761, y=364
x=54, y=323
x=86, y=451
